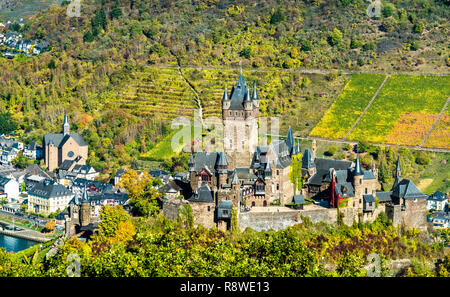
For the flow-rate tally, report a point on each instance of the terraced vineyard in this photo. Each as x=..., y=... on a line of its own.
x=403, y=112
x=348, y=106
x=401, y=95
x=440, y=135
x=157, y=92
x=298, y=99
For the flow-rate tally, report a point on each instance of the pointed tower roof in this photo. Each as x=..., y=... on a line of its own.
x=66, y=119
x=358, y=169
x=225, y=95
x=299, y=150
x=290, y=142
x=222, y=159
x=85, y=197
x=241, y=80
x=399, y=169
x=255, y=93
x=307, y=161
x=247, y=96
x=268, y=169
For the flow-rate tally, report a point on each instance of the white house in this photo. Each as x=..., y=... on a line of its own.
x=437, y=201
x=441, y=219
x=9, y=188
x=33, y=151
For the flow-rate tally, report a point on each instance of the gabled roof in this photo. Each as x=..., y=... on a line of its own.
x=437, y=196
x=60, y=139
x=384, y=196
x=226, y=204
x=406, y=189
x=49, y=190
x=202, y=194
x=299, y=199
x=326, y=164
x=368, y=198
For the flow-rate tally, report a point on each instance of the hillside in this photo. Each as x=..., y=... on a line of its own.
x=115, y=67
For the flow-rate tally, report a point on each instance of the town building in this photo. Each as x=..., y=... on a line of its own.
x=437, y=201
x=33, y=151
x=9, y=188
x=64, y=146
x=47, y=197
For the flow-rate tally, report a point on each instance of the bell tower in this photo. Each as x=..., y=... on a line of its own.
x=66, y=125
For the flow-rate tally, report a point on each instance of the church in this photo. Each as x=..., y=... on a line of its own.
x=64, y=146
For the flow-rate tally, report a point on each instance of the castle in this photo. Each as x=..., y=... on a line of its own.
x=246, y=175
x=64, y=146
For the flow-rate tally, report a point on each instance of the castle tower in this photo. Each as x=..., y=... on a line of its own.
x=240, y=118
x=85, y=216
x=66, y=125
x=358, y=178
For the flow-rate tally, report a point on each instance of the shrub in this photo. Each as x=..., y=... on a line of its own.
x=277, y=17
x=335, y=37
x=388, y=10
x=332, y=150
x=419, y=27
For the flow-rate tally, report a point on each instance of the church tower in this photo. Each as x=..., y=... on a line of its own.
x=66, y=126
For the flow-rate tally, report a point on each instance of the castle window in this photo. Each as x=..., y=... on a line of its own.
x=366, y=190
x=360, y=181
x=209, y=208
x=231, y=113
x=278, y=172
x=278, y=186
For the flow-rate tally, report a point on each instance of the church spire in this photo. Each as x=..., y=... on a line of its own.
x=66, y=125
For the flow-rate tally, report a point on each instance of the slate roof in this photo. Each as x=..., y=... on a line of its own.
x=406, y=189
x=299, y=199
x=326, y=164
x=60, y=139
x=202, y=194
x=358, y=169
x=281, y=150
x=368, y=174
x=437, y=196
x=82, y=182
x=307, y=161
x=384, y=196
x=239, y=94
x=226, y=204
x=242, y=173
x=368, y=198
x=203, y=159
x=49, y=190
x=4, y=181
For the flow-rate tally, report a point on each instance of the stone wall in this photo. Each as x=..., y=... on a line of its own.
x=203, y=213
x=171, y=208
x=268, y=220
x=415, y=214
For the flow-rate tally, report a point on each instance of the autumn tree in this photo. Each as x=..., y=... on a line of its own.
x=141, y=191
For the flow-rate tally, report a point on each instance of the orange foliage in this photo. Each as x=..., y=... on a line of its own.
x=411, y=128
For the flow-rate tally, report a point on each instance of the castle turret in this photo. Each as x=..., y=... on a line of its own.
x=248, y=105
x=225, y=100
x=222, y=166
x=85, y=216
x=398, y=173
x=255, y=97
x=358, y=178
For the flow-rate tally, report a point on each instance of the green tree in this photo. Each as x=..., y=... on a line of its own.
x=335, y=37
x=110, y=217
x=277, y=17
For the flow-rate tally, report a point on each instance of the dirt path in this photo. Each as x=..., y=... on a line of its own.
x=367, y=107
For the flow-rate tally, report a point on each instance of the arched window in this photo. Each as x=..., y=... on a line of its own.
x=265, y=203
x=253, y=203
